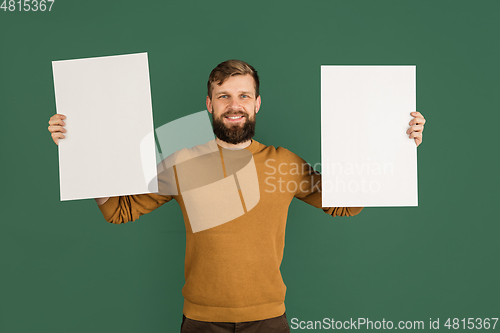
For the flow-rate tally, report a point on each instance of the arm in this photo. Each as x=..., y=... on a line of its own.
x=309, y=186
x=311, y=193
x=128, y=208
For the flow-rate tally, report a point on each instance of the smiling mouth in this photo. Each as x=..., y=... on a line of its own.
x=235, y=118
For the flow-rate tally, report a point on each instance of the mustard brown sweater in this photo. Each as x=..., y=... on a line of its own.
x=232, y=270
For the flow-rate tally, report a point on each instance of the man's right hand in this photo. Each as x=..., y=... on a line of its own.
x=56, y=127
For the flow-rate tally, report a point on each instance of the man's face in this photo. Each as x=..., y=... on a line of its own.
x=233, y=107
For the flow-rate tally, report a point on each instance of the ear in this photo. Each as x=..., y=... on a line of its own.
x=257, y=104
x=209, y=104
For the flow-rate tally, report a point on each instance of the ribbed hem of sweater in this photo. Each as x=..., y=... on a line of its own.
x=232, y=315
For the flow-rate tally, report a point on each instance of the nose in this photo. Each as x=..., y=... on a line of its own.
x=235, y=104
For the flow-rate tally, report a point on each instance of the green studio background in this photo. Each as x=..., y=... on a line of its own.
x=65, y=269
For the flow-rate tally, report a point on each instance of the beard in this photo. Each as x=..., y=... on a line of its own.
x=234, y=134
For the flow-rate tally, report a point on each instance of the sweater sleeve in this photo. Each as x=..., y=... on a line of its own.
x=309, y=188
x=127, y=208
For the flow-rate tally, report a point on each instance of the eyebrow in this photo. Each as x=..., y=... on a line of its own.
x=239, y=92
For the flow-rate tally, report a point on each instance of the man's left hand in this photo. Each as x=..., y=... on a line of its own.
x=416, y=127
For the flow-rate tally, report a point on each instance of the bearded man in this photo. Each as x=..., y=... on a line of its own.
x=232, y=269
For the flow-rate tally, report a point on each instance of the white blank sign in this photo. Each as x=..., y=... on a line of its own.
x=107, y=104
x=367, y=157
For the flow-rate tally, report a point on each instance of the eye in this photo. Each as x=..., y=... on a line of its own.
x=244, y=96
x=223, y=96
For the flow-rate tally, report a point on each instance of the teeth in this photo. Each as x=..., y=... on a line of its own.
x=235, y=117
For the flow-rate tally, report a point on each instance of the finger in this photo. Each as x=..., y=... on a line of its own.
x=418, y=120
x=417, y=114
x=415, y=135
x=415, y=128
x=56, y=121
x=56, y=118
x=55, y=129
x=56, y=136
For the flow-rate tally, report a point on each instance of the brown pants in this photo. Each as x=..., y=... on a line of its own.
x=271, y=325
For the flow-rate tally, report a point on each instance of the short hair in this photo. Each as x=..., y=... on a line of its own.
x=229, y=68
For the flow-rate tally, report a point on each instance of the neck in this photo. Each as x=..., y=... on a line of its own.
x=241, y=145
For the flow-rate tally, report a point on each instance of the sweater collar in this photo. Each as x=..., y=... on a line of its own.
x=253, y=147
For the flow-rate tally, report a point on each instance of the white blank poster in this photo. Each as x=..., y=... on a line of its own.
x=107, y=102
x=367, y=157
